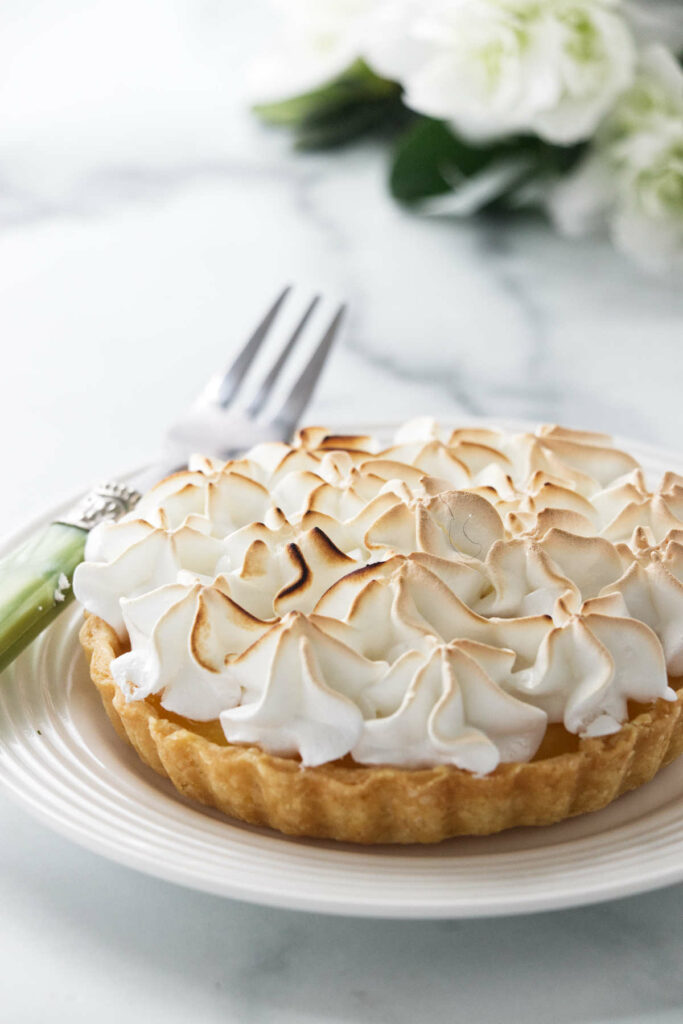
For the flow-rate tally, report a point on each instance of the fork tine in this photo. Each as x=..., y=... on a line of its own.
x=296, y=401
x=267, y=385
x=233, y=376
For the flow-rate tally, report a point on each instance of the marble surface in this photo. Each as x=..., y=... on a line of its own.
x=144, y=220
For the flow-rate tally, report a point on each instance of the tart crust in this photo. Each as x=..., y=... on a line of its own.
x=382, y=804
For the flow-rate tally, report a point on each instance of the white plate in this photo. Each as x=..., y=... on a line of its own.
x=61, y=760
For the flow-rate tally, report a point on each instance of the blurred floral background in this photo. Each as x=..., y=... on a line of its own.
x=572, y=106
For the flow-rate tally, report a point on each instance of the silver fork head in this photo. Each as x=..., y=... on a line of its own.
x=220, y=423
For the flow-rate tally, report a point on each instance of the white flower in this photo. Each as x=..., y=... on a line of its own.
x=318, y=41
x=499, y=67
x=632, y=178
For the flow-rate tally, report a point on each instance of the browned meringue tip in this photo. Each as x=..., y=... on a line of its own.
x=323, y=438
x=554, y=430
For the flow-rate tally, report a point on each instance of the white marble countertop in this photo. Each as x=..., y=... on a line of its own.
x=144, y=220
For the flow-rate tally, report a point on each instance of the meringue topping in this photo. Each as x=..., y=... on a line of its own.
x=438, y=600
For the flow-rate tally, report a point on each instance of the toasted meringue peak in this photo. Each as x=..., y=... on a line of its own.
x=588, y=669
x=137, y=558
x=302, y=693
x=322, y=439
x=179, y=638
x=445, y=709
x=411, y=602
x=273, y=571
x=591, y=563
x=652, y=591
x=446, y=524
x=434, y=599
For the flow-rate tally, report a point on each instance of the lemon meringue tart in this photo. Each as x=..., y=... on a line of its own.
x=456, y=633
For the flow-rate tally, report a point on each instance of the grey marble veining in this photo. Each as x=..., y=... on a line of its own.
x=144, y=220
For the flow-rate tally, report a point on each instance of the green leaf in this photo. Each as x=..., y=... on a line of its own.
x=432, y=161
x=425, y=158
x=347, y=123
x=358, y=84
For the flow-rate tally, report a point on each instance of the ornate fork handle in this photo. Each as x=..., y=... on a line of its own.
x=107, y=501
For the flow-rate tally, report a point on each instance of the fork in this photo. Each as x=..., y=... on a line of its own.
x=35, y=579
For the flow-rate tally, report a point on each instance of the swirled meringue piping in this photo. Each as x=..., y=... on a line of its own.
x=405, y=604
x=444, y=709
x=652, y=592
x=587, y=671
x=591, y=563
x=179, y=637
x=137, y=558
x=302, y=693
x=448, y=523
x=436, y=599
